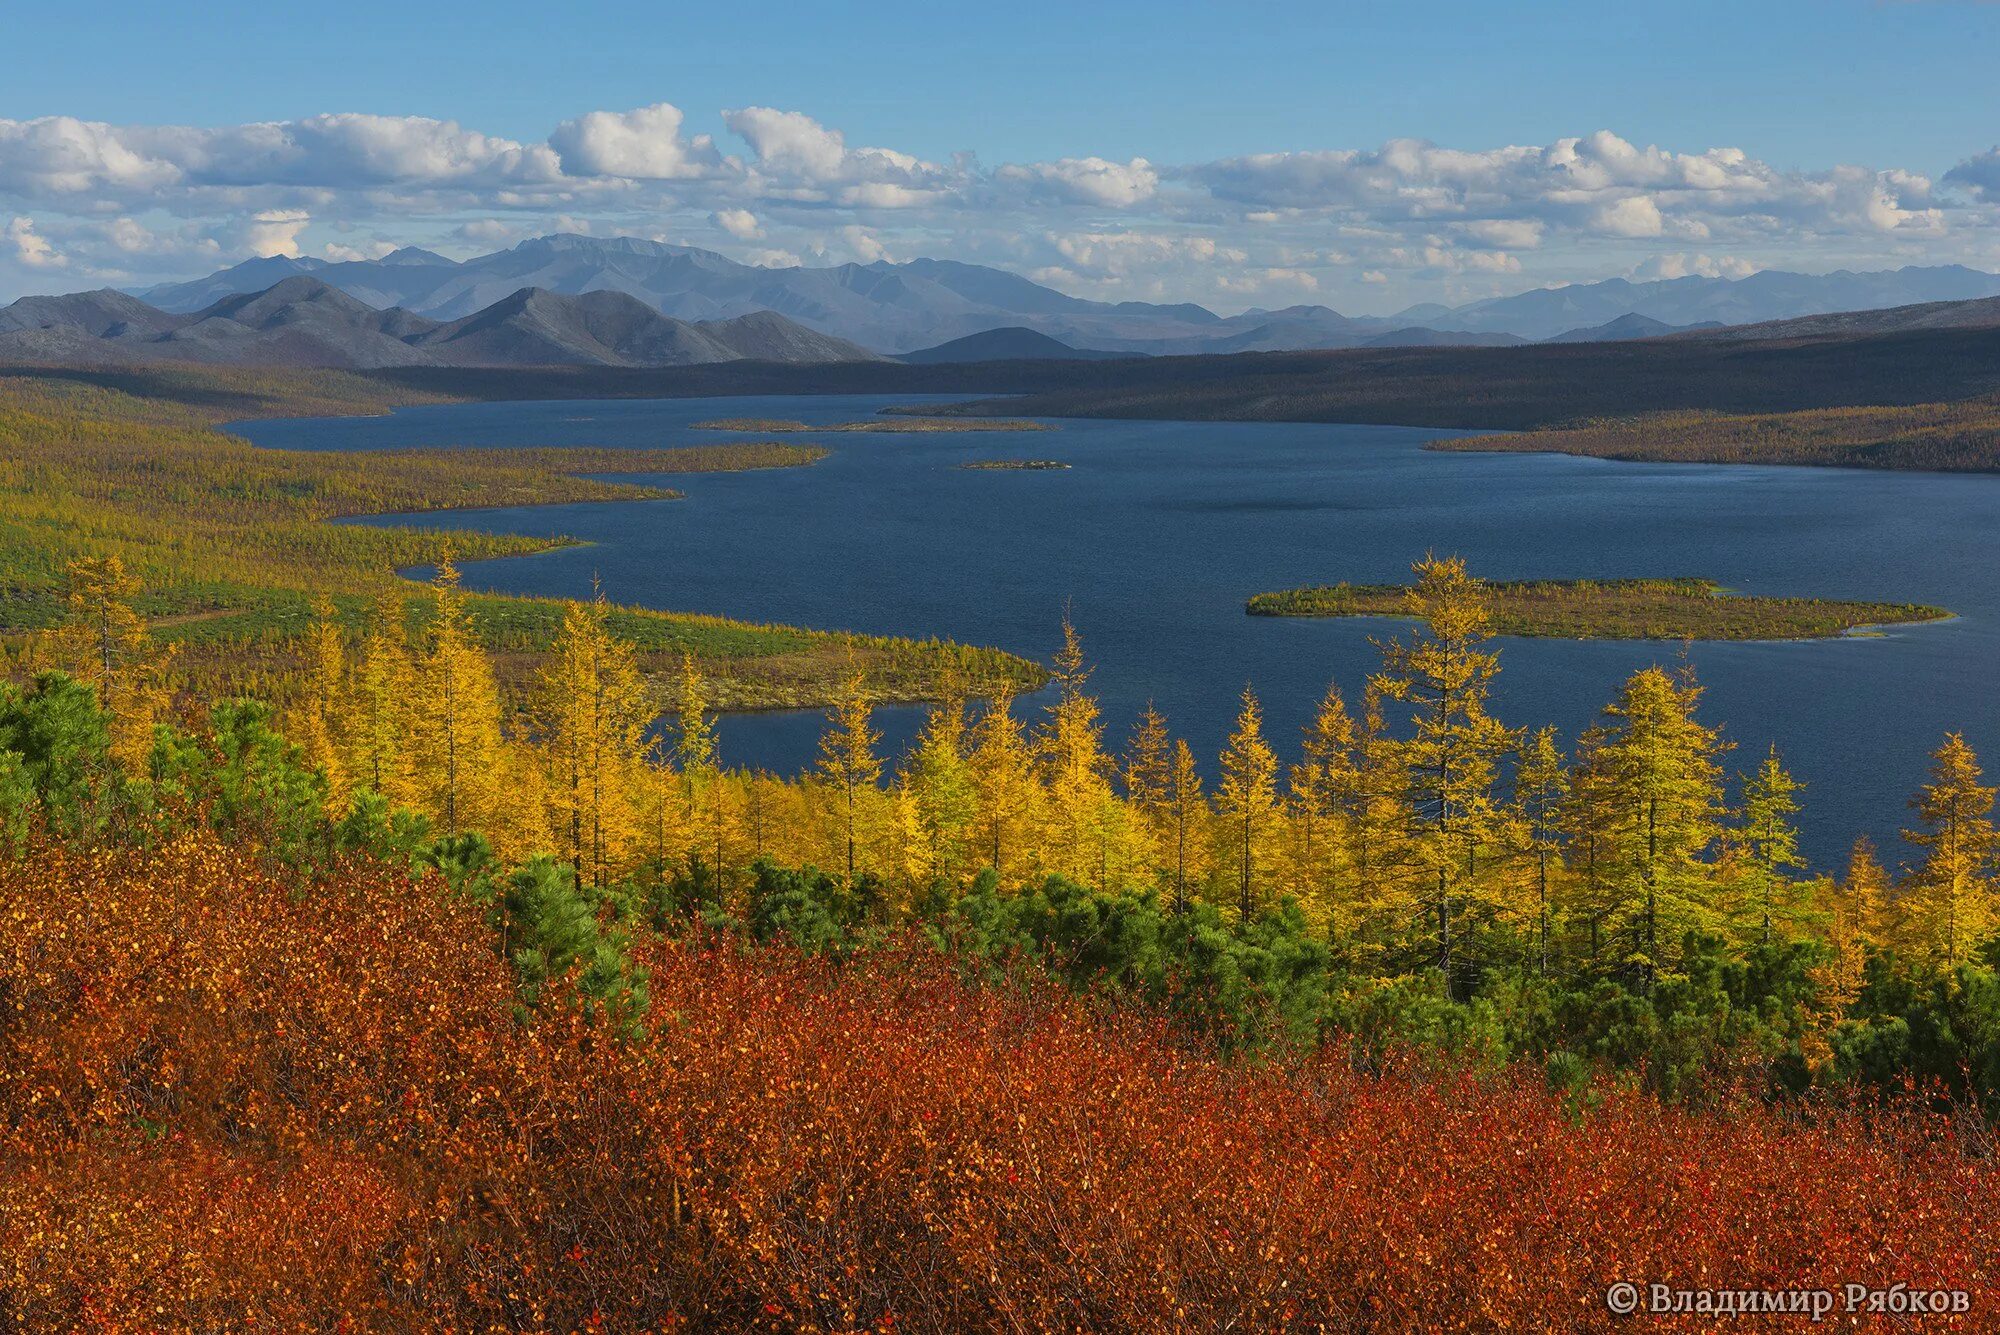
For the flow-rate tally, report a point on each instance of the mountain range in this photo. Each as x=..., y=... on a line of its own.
x=901, y=308
x=301, y=320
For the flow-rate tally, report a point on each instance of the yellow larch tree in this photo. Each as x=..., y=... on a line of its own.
x=1949, y=898
x=936, y=799
x=1541, y=786
x=592, y=714
x=324, y=711
x=105, y=645
x=1003, y=782
x=1246, y=799
x=1078, y=830
x=1445, y=675
x=1314, y=809
x=459, y=759
x=382, y=704
x=1665, y=807
x=848, y=760
x=1187, y=815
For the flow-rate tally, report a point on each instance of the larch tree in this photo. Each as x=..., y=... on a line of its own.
x=460, y=758
x=1541, y=786
x=1770, y=845
x=1187, y=812
x=1445, y=676
x=106, y=646
x=700, y=769
x=1078, y=833
x=592, y=715
x=1325, y=770
x=383, y=701
x=1950, y=897
x=1146, y=771
x=1370, y=800
x=1247, y=798
x=847, y=756
x=936, y=786
x=1003, y=782
x=324, y=712
x=1857, y=917
x=1665, y=797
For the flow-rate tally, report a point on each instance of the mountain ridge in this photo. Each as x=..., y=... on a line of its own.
x=304, y=321
x=908, y=306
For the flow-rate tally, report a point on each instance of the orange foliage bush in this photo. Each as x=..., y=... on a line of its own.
x=230, y=1101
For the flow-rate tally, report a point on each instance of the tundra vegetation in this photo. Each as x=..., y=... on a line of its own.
x=229, y=544
x=403, y=1003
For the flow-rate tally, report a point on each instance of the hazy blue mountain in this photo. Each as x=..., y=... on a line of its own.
x=1983, y=313
x=919, y=304
x=1628, y=326
x=1011, y=344
x=1771, y=294
x=304, y=320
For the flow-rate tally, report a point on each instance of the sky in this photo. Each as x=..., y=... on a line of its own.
x=1257, y=153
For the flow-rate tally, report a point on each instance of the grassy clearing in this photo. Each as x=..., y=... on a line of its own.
x=1617, y=609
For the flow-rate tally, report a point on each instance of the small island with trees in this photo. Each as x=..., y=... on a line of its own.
x=1617, y=609
x=1015, y=465
x=768, y=425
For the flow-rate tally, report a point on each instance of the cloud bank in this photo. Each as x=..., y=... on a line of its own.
x=95, y=202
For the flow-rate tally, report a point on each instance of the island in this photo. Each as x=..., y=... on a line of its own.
x=1014, y=465
x=1617, y=609
x=770, y=425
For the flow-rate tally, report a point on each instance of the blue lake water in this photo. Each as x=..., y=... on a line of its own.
x=1160, y=530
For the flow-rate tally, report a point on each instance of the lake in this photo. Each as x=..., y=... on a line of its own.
x=1159, y=531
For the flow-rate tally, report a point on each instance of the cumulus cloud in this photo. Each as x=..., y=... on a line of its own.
x=61, y=155
x=1634, y=215
x=32, y=250
x=276, y=232
x=169, y=201
x=489, y=232
x=739, y=223
x=1113, y=185
x=642, y=145
x=1979, y=173
x=1681, y=265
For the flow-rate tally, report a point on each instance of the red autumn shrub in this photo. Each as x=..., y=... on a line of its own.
x=230, y=1103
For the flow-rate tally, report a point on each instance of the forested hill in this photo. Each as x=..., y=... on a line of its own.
x=1472, y=388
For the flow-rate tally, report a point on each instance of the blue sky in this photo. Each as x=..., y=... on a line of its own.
x=1866, y=134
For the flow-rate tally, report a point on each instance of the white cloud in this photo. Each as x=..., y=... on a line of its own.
x=864, y=244
x=172, y=201
x=276, y=232
x=1680, y=265
x=61, y=155
x=487, y=232
x=790, y=142
x=31, y=250
x=373, y=250
x=1634, y=215
x=1503, y=233
x=645, y=144
x=1115, y=185
x=740, y=223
